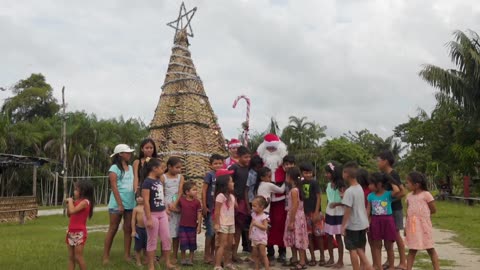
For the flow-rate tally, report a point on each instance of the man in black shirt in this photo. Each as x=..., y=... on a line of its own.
x=385, y=161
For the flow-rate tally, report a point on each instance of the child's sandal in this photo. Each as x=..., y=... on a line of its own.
x=299, y=267
x=312, y=263
x=290, y=262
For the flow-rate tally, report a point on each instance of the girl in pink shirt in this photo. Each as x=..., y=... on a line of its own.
x=224, y=218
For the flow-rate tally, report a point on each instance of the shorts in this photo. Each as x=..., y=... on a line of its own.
x=230, y=229
x=398, y=217
x=383, y=228
x=209, y=228
x=355, y=239
x=140, y=239
x=187, y=237
x=241, y=215
x=256, y=243
x=314, y=228
x=77, y=238
x=116, y=211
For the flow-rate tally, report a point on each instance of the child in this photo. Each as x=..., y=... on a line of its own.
x=224, y=218
x=278, y=216
x=173, y=182
x=420, y=205
x=190, y=221
x=240, y=176
x=147, y=149
x=355, y=220
x=233, y=146
x=313, y=214
x=364, y=182
x=155, y=218
x=385, y=162
x=256, y=164
x=295, y=235
x=138, y=230
x=79, y=210
x=265, y=187
x=208, y=202
x=334, y=211
x=382, y=223
x=258, y=232
x=122, y=200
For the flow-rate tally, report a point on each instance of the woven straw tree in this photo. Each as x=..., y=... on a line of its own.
x=184, y=124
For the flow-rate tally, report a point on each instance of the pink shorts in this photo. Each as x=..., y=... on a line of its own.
x=76, y=238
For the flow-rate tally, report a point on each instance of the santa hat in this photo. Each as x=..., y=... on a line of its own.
x=234, y=143
x=271, y=140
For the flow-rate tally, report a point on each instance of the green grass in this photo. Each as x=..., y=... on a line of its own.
x=462, y=219
x=40, y=244
x=422, y=261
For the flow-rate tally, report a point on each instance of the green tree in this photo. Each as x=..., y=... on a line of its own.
x=33, y=98
x=343, y=150
x=461, y=84
x=301, y=134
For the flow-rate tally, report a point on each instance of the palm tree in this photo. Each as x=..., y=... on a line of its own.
x=463, y=85
x=301, y=134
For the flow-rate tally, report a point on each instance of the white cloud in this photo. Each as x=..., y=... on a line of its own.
x=345, y=64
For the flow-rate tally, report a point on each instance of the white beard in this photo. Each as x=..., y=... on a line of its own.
x=272, y=160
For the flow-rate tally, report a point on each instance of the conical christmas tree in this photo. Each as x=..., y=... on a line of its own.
x=184, y=124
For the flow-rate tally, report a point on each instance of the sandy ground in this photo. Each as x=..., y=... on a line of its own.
x=447, y=249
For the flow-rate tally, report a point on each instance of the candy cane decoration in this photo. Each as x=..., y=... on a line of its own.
x=247, y=123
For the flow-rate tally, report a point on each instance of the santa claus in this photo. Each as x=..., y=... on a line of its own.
x=272, y=151
x=233, y=145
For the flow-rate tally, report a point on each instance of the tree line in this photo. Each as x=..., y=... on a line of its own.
x=444, y=143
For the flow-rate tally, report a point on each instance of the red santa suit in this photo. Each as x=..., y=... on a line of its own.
x=277, y=214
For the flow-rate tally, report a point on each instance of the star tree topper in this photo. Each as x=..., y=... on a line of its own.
x=183, y=20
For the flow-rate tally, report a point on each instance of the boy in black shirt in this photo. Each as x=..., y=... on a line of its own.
x=385, y=161
x=240, y=176
x=312, y=207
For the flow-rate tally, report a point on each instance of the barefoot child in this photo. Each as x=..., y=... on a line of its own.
x=355, y=220
x=258, y=232
x=156, y=217
x=79, y=210
x=224, y=219
x=190, y=221
x=173, y=182
x=420, y=205
x=208, y=203
x=139, y=233
x=295, y=235
x=382, y=223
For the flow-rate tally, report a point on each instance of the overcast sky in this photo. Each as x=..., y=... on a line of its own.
x=347, y=64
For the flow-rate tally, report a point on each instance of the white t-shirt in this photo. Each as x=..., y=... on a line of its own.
x=266, y=189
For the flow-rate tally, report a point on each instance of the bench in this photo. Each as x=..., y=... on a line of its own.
x=19, y=209
x=467, y=200
x=19, y=212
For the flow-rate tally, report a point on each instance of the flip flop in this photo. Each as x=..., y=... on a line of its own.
x=322, y=263
x=312, y=263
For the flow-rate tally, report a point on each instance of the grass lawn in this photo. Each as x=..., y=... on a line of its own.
x=462, y=219
x=40, y=244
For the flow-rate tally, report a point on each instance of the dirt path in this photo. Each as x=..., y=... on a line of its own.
x=452, y=254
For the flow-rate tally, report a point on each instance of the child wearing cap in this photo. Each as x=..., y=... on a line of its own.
x=122, y=199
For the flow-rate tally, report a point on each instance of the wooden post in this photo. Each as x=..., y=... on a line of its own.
x=34, y=189
x=64, y=152
x=55, y=198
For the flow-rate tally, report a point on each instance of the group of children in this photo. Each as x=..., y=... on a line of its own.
x=237, y=196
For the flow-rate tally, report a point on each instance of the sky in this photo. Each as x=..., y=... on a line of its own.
x=345, y=64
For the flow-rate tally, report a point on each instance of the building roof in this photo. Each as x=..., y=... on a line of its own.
x=8, y=160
